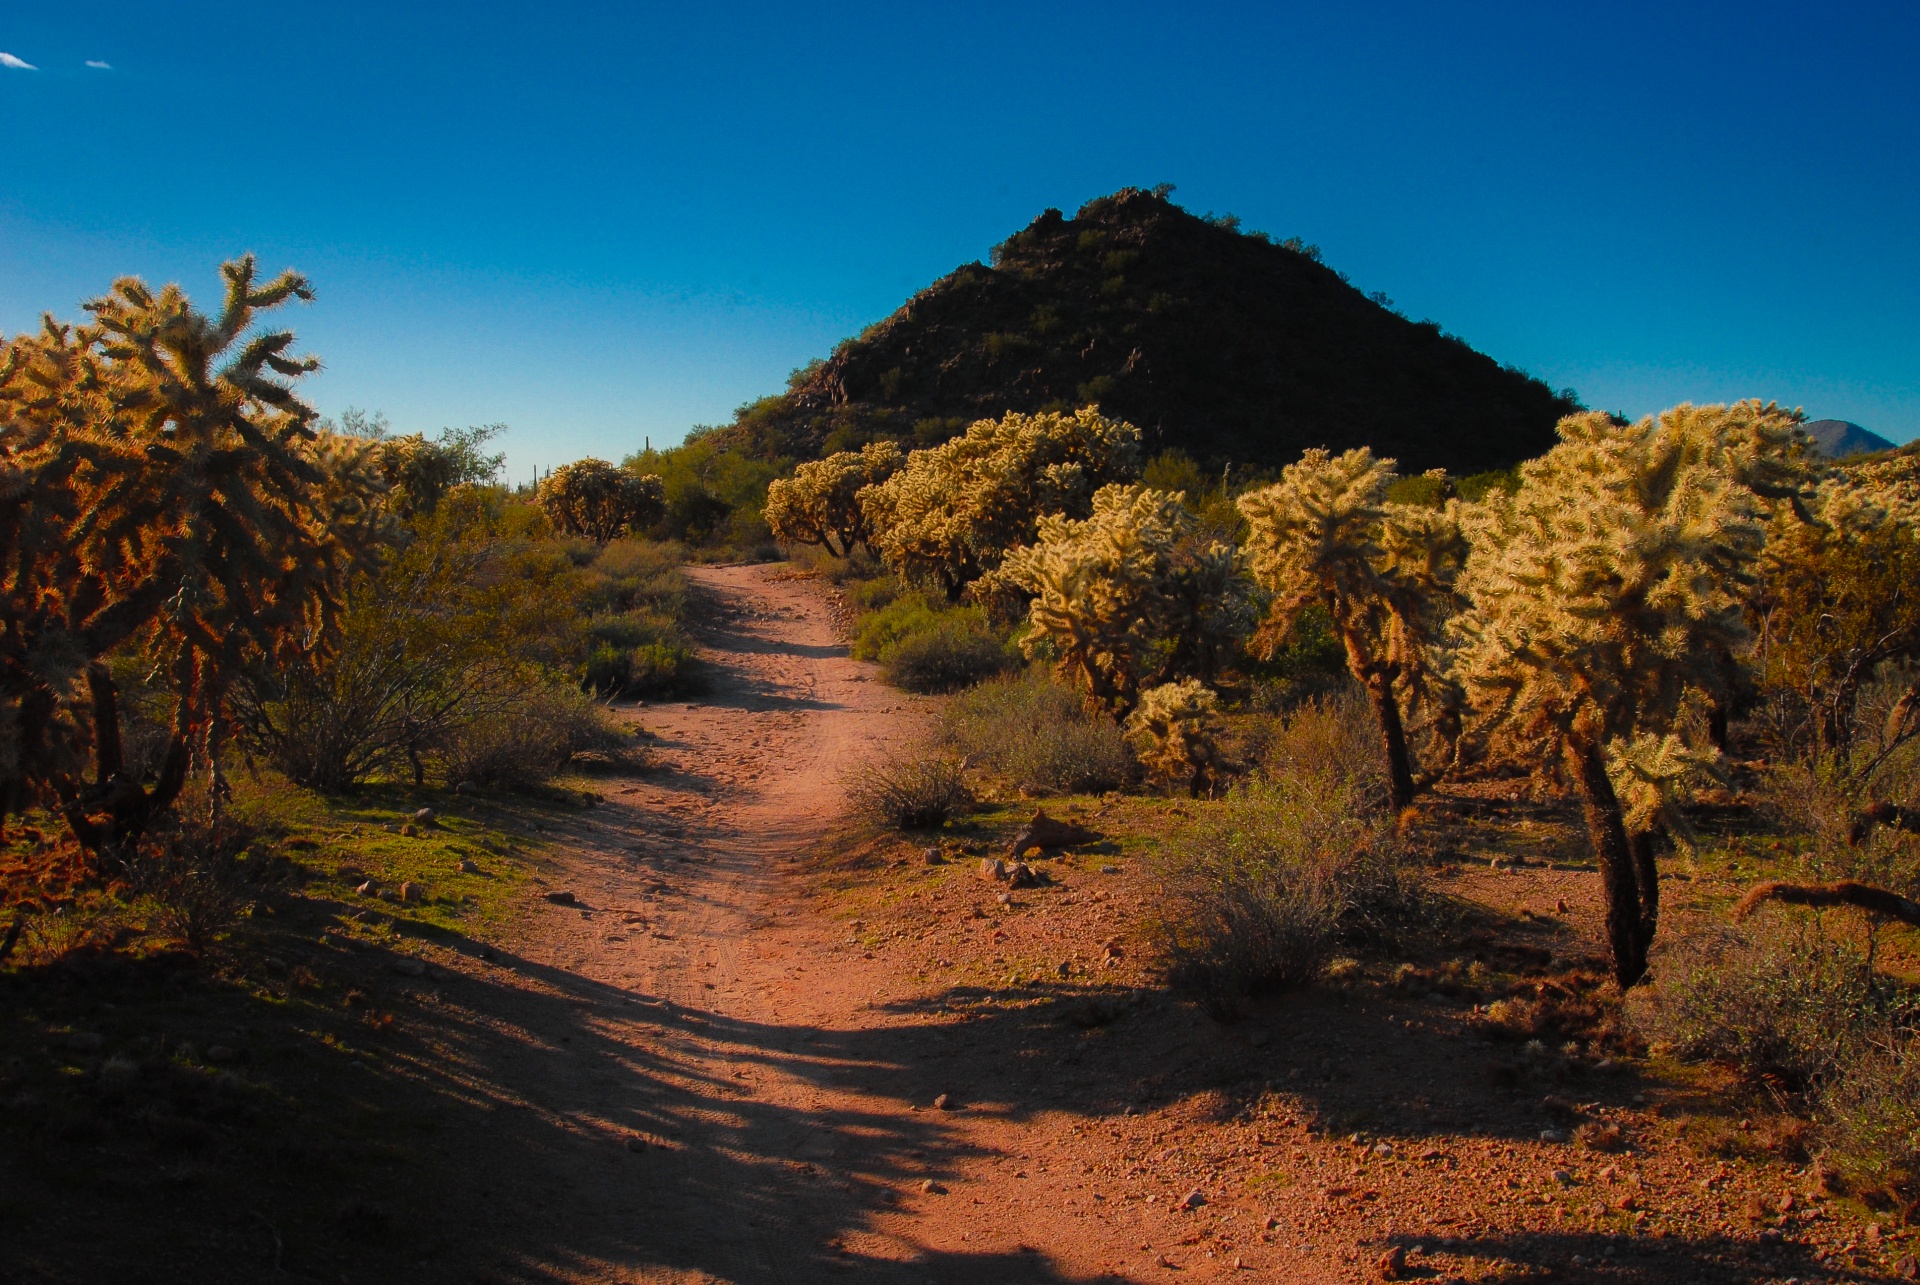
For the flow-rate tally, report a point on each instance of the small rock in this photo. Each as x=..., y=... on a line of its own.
x=411, y=891
x=1392, y=1265
x=1257, y=1038
x=1273, y=1223
x=1065, y=968
x=1560, y=906
x=410, y=830
x=1109, y=870
x=1562, y=1177
x=1021, y=875
x=636, y=1143
x=85, y=1042
x=992, y=868
x=1193, y=1199
x=409, y=967
x=368, y=889
x=222, y=1055
x=932, y=857
x=563, y=899
x=1384, y=1150
x=463, y=787
x=932, y=1188
x=1552, y=1135
x=1907, y=1267
x=945, y=1102
x=1873, y=1233
x=424, y=816
x=468, y=866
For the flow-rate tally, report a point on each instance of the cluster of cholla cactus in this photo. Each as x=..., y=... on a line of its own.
x=1129, y=596
x=952, y=512
x=820, y=504
x=592, y=498
x=162, y=489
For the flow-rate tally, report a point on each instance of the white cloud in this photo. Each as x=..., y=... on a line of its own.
x=18, y=64
x=98, y=65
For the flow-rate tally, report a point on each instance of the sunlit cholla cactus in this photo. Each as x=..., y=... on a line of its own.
x=1128, y=597
x=1175, y=734
x=594, y=499
x=1325, y=534
x=954, y=510
x=820, y=503
x=1608, y=601
x=162, y=488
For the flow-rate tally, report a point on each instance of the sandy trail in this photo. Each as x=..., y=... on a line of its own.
x=783, y=1099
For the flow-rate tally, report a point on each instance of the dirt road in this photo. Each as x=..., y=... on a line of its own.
x=693, y=1006
x=709, y=1070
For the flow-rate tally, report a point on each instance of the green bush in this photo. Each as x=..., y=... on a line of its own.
x=526, y=742
x=1870, y=1118
x=900, y=616
x=1780, y=1003
x=952, y=654
x=640, y=656
x=922, y=793
x=1038, y=735
x=1261, y=889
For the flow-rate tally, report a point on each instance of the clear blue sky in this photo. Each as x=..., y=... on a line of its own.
x=603, y=222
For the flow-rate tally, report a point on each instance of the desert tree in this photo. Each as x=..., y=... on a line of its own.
x=953, y=511
x=1129, y=597
x=1326, y=535
x=592, y=498
x=820, y=503
x=1608, y=599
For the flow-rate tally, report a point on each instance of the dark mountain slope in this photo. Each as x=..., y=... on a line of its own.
x=1226, y=345
x=1839, y=438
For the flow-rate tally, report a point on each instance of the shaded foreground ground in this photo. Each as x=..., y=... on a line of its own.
x=718, y=1056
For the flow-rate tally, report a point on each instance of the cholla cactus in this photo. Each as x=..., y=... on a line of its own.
x=1175, y=732
x=1326, y=534
x=820, y=503
x=594, y=499
x=954, y=510
x=1129, y=596
x=1608, y=592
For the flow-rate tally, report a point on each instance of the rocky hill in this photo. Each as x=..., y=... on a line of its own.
x=1225, y=344
x=1839, y=438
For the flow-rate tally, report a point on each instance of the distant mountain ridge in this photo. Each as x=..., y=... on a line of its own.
x=1839, y=438
x=1224, y=344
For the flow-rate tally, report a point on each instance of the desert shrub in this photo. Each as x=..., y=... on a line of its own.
x=524, y=742
x=1175, y=733
x=1259, y=892
x=1334, y=740
x=1870, y=1118
x=1780, y=1002
x=921, y=793
x=637, y=575
x=955, y=651
x=1037, y=734
x=874, y=593
x=640, y=655
x=191, y=869
x=898, y=617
